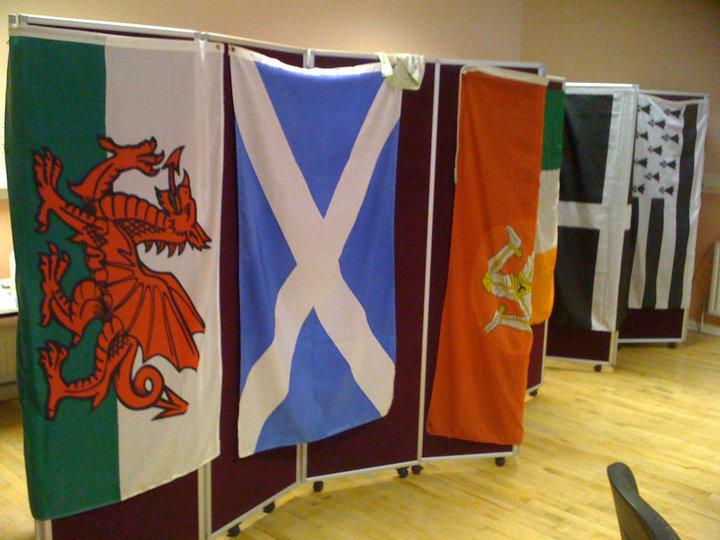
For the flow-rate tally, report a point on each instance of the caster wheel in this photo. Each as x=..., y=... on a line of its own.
x=318, y=486
x=672, y=345
x=598, y=368
x=533, y=393
x=269, y=508
x=402, y=472
x=499, y=461
x=234, y=531
x=417, y=469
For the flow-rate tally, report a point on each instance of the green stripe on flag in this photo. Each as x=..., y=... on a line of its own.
x=56, y=100
x=553, y=136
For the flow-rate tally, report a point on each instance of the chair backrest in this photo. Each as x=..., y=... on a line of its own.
x=637, y=519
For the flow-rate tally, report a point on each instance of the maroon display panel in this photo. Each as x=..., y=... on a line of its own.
x=535, y=367
x=393, y=439
x=579, y=344
x=434, y=446
x=170, y=511
x=239, y=485
x=653, y=324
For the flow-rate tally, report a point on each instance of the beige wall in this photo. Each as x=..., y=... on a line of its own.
x=457, y=29
x=669, y=45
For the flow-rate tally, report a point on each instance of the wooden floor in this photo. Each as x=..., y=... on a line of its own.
x=658, y=411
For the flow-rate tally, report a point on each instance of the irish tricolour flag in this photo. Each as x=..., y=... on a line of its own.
x=114, y=158
x=543, y=284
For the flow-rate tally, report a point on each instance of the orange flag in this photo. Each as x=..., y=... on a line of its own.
x=485, y=337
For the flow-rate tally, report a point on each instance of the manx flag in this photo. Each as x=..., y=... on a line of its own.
x=485, y=336
x=317, y=153
x=543, y=286
x=594, y=209
x=667, y=177
x=114, y=154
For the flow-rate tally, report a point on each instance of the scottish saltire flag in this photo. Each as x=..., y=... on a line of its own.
x=114, y=155
x=594, y=209
x=316, y=170
x=479, y=387
x=667, y=178
x=543, y=285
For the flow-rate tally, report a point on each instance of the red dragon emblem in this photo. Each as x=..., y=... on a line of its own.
x=138, y=307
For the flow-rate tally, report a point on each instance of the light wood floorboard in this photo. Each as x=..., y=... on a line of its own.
x=658, y=411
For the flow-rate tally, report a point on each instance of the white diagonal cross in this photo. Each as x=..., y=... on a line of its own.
x=316, y=243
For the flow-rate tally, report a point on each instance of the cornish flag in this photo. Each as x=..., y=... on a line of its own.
x=316, y=170
x=667, y=177
x=114, y=154
x=594, y=209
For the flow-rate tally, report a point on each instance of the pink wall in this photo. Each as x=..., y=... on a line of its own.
x=5, y=238
x=708, y=233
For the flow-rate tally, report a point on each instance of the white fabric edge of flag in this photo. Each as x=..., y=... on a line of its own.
x=673, y=102
x=695, y=197
x=616, y=195
x=495, y=72
x=547, y=213
x=111, y=40
x=247, y=54
x=504, y=73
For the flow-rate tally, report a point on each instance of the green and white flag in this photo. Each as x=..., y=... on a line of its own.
x=546, y=236
x=114, y=159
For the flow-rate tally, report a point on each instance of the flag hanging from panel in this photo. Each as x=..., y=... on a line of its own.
x=594, y=209
x=667, y=178
x=115, y=144
x=317, y=152
x=543, y=286
x=485, y=336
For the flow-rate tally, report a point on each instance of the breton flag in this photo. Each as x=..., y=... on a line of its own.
x=667, y=177
x=543, y=286
x=114, y=154
x=594, y=209
x=485, y=336
x=317, y=152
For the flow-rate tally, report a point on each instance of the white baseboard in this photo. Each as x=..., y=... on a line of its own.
x=709, y=329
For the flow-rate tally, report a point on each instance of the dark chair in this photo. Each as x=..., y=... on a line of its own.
x=637, y=519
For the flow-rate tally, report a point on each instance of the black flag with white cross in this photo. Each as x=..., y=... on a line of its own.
x=594, y=207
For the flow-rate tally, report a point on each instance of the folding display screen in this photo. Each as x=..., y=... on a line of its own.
x=196, y=167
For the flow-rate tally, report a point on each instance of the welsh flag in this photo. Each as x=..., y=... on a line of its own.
x=114, y=159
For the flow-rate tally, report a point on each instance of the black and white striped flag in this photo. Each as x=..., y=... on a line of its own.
x=594, y=210
x=667, y=174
